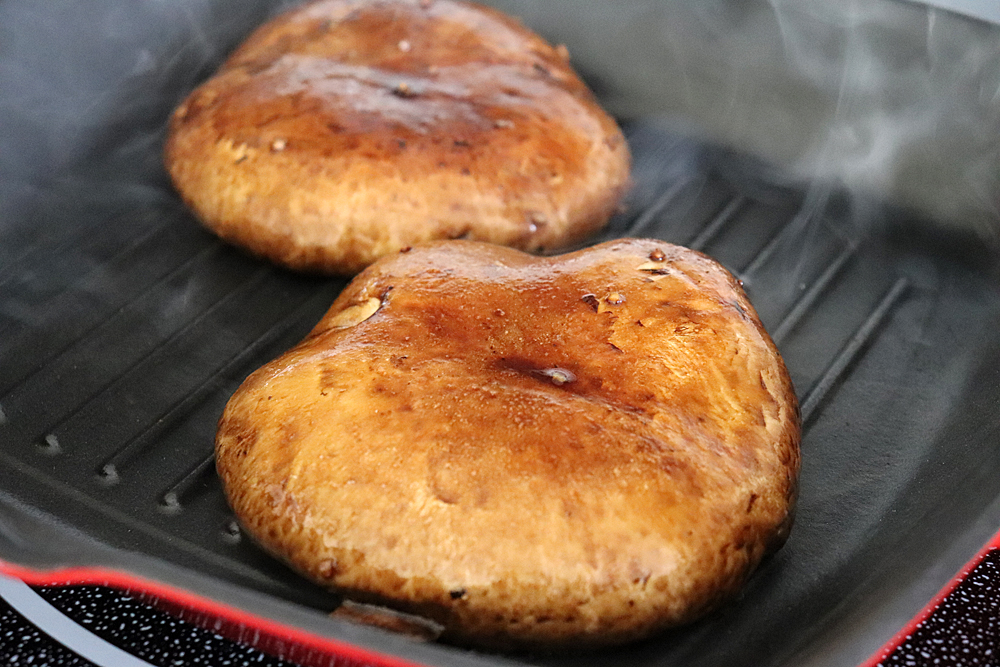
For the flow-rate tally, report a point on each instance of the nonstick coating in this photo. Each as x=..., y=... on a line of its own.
x=124, y=327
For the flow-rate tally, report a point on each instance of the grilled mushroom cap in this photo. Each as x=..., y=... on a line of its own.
x=533, y=452
x=348, y=129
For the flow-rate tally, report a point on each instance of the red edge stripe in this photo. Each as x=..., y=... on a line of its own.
x=271, y=637
x=931, y=606
x=299, y=646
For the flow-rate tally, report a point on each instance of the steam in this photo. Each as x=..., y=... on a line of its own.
x=96, y=82
x=85, y=93
x=908, y=118
x=895, y=101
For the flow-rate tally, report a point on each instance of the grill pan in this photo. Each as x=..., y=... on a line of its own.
x=124, y=328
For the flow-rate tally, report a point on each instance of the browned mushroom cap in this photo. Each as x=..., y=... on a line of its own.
x=541, y=452
x=348, y=129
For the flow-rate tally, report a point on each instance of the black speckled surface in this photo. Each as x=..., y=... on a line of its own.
x=148, y=633
x=964, y=629
x=21, y=643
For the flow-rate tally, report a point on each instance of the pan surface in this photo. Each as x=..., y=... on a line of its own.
x=124, y=328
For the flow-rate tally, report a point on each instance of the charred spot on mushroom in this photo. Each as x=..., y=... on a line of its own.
x=558, y=376
x=554, y=375
x=403, y=89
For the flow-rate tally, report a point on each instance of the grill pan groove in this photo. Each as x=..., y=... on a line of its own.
x=808, y=298
x=718, y=223
x=109, y=468
x=173, y=497
x=158, y=348
x=855, y=346
x=81, y=318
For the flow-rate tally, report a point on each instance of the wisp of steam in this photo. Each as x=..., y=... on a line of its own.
x=894, y=101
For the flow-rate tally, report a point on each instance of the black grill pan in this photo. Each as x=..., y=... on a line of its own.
x=124, y=328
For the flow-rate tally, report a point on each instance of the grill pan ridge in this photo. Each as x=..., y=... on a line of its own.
x=124, y=328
